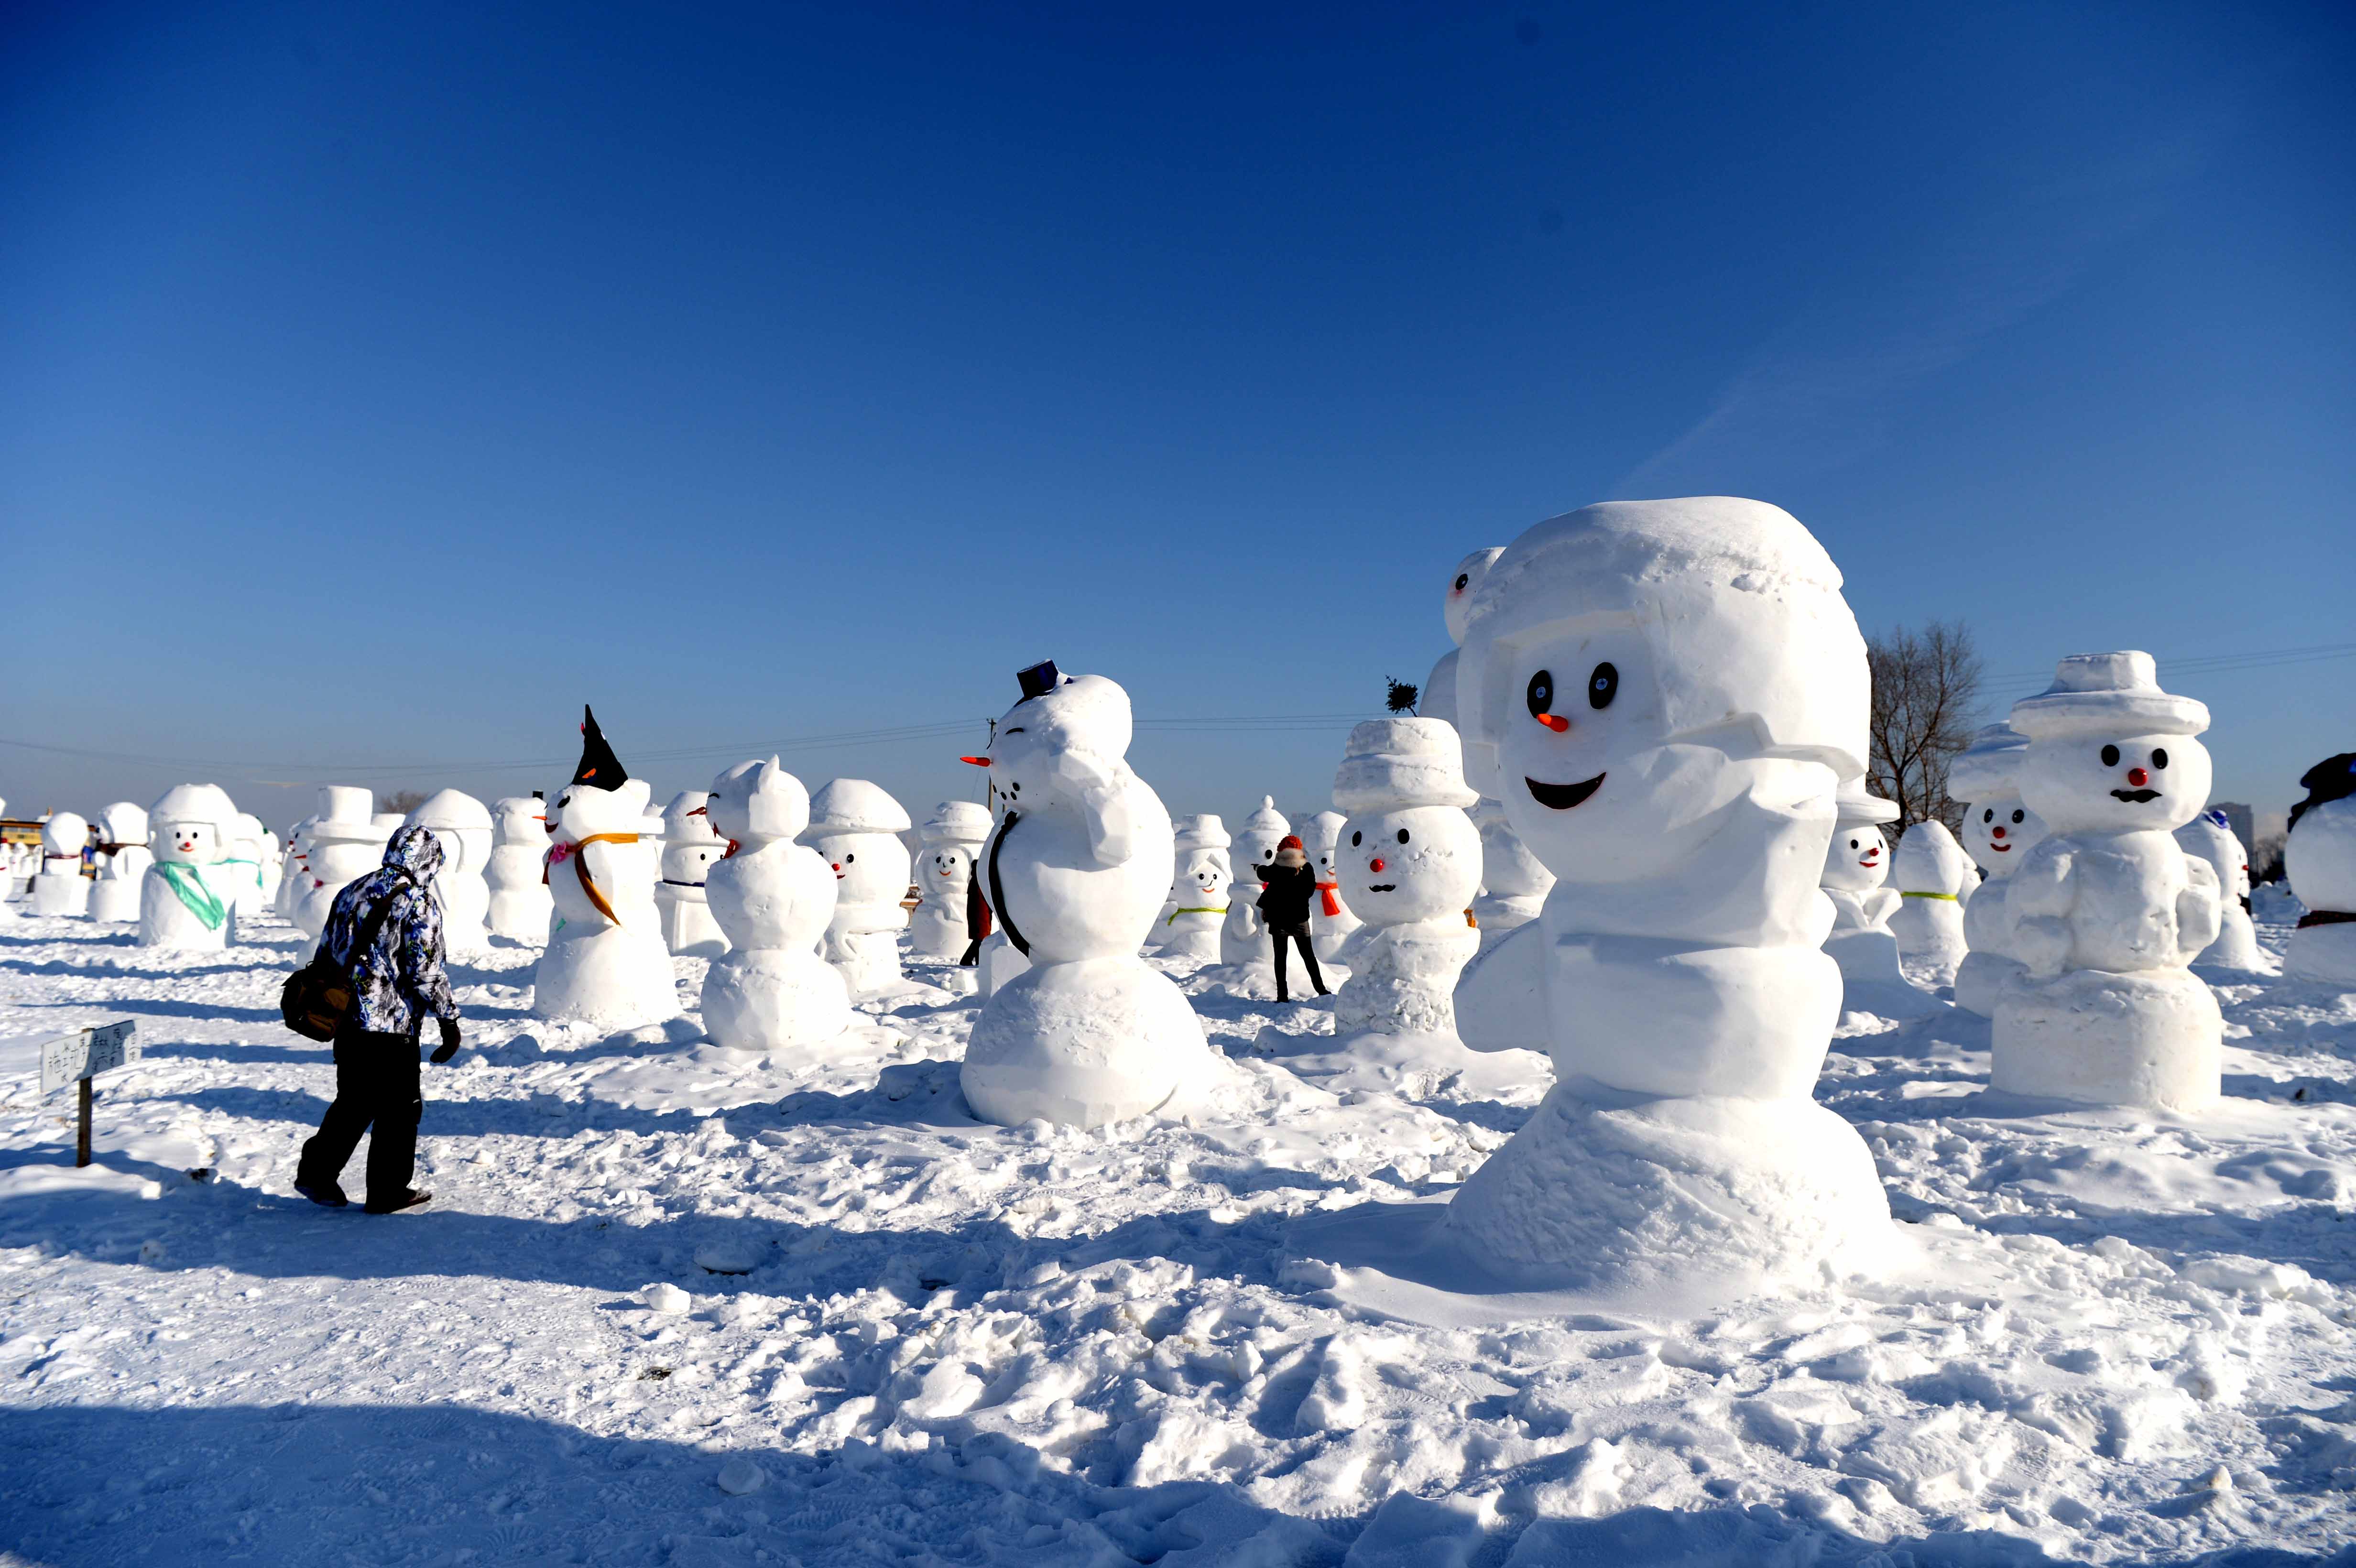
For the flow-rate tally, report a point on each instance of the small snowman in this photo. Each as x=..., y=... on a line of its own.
x=1245, y=946
x=61, y=889
x=463, y=824
x=2320, y=857
x=1204, y=874
x=856, y=828
x=521, y=907
x=344, y=844
x=2210, y=837
x=295, y=875
x=1091, y=1033
x=1935, y=879
x=1856, y=864
x=690, y=845
x=2108, y=912
x=1999, y=830
x=606, y=963
x=184, y=902
x=248, y=862
x=774, y=899
x=1409, y=862
x=122, y=841
x=1331, y=924
x=949, y=841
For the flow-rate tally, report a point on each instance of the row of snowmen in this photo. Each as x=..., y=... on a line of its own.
x=183, y=868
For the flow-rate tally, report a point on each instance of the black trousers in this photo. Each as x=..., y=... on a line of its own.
x=1299, y=933
x=377, y=1085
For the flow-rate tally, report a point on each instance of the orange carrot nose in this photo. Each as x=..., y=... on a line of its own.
x=1552, y=723
x=977, y=762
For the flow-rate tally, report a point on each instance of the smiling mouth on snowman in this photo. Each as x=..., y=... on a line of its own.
x=1562, y=797
x=2138, y=796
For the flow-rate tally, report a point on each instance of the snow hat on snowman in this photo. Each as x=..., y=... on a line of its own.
x=345, y=816
x=1852, y=807
x=958, y=822
x=1391, y=765
x=2107, y=694
x=1201, y=832
x=853, y=806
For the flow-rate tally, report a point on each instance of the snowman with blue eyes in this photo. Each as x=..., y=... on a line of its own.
x=1999, y=830
x=2106, y=914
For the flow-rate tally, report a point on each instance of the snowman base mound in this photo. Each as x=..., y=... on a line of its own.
x=616, y=979
x=1081, y=1044
x=1695, y=1200
x=115, y=901
x=2153, y=1038
x=772, y=999
x=2323, y=954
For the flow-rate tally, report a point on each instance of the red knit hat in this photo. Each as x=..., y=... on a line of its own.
x=1289, y=842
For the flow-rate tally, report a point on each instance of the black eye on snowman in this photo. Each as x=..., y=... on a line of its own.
x=848, y=859
x=1402, y=835
x=1988, y=815
x=1356, y=839
x=1540, y=694
x=2159, y=757
x=1462, y=579
x=2020, y=817
x=2110, y=756
x=1602, y=686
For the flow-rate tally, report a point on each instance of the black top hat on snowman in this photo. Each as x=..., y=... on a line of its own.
x=1040, y=680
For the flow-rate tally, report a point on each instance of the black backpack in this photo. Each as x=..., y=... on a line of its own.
x=317, y=1000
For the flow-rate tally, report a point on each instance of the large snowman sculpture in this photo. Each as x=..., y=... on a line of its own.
x=856, y=828
x=2210, y=837
x=1665, y=694
x=1856, y=868
x=682, y=902
x=1331, y=924
x=1409, y=862
x=463, y=824
x=2320, y=857
x=61, y=889
x=344, y=844
x=1934, y=879
x=1244, y=942
x=946, y=845
x=123, y=845
x=1075, y=871
x=522, y=908
x=1999, y=830
x=184, y=900
x=774, y=899
x=2107, y=912
x=606, y=963
x=1199, y=891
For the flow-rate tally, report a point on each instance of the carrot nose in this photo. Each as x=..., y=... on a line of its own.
x=1376, y=864
x=977, y=762
x=2138, y=777
x=1552, y=721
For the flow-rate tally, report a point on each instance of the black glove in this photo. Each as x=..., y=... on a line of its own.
x=449, y=1042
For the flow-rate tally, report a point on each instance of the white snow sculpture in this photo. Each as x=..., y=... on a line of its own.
x=61, y=889
x=247, y=864
x=463, y=824
x=1665, y=694
x=1935, y=879
x=1244, y=942
x=2319, y=859
x=2208, y=838
x=606, y=963
x=774, y=899
x=1089, y=1033
x=1857, y=865
x=1439, y=696
x=295, y=877
x=123, y=845
x=1999, y=830
x=690, y=847
x=345, y=844
x=1331, y=923
x=184, y=902
x=2107, y=912
x=1513, y=883
x=1410, y=860
x=521, y=907
x=856, y=828
x=950, y=840
x=1205, y=876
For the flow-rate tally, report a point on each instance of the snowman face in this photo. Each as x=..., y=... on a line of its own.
x=187, y=843
x=1463, y=583
x=1327, y=856
x=1257, y=846
x=1202, y=877
x=2096, y=784
x=1857, y=859
x=690, y=860
x=946, y=868
x=1998, y=833
x=1422, y=862
x=869, y=867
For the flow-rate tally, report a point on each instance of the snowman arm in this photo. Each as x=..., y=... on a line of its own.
x=1880, y=905
x=1501, y=995
x=1096, y=784
x=2199, y=908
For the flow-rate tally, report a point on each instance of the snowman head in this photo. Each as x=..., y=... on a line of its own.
x=1463, y=583
x=1063, y=744
x=757, y=802
x=1625, y=661
x=583, y=809
x=1409, y=852
x=1858, y=859
x=1999, y=833
x=945, y=869
x=854, y=826
x=520, y=819
x=2109, y=751
x=65, y=833
x=190, y=825
x=1205, y=867
x=462, y=823
x=1324, y=839
x=1262, y=831
x=122, y=823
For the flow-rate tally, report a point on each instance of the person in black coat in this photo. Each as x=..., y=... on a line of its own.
x=1286, y=885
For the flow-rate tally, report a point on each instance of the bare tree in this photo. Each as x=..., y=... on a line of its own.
x=1926, y=687
x=407, y=801
x=1401, y=698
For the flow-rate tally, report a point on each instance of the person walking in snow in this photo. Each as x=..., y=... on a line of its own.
x=397, y=984
x=1286, y=884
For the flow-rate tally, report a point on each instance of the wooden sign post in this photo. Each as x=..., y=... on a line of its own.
x=77, y=1058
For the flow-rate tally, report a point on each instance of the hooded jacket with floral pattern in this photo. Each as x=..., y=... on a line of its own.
x=399, y=981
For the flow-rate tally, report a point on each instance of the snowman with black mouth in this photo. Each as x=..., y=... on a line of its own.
x=1665, y=695
x=2108, y=912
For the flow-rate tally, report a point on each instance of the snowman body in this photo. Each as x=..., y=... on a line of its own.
x=247, y=864
x=682, y=902
x=606, y=963
x=2106, y=914
x=185, y=903
x=1080, y=863
x=2320, y=857
x=520, y=905
x=1409, y=859
x=1331, y=922
x=463, y=825
x=1244, y=942
x=115, y=895
x=2207, y=837
x=1855, y=878
x=773, y=899
x=61, y=889
x=855, y=828
x=1999, y=830
x=1664, y=696
x=1934, y=878
x=945, y=860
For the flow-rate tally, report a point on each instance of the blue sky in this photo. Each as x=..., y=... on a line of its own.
x=379, y=382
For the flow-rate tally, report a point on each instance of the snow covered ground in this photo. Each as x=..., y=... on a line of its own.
x=671, y=1307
